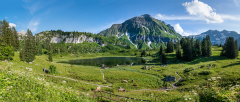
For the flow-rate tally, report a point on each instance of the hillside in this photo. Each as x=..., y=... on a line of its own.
x=141, y=29
x=217, y=37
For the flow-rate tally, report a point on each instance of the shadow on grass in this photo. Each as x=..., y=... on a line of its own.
x=233, y=64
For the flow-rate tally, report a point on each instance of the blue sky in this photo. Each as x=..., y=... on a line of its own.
x=187, y=16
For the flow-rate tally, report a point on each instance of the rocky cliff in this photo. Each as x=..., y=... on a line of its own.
x=67, y=37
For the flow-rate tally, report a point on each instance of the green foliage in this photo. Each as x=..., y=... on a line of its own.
x=126, y=41
x=28, y=51
x=170, y=47
x=52, y=69
x=188, y=69
x=143, y=46
x=178, y=51
x=230, y=48
x=143, y=53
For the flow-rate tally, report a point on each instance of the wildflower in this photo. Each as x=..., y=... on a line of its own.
x=9, y=72
x=190, y=98
x=27, y=93
x=209, y=79
x=63, y=81
x=47, y=84
x=219, y=77
x=30, y=69
x=185, y=99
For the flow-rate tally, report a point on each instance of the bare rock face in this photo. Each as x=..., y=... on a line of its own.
x=71, y=38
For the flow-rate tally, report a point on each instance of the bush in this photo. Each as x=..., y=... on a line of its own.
x=52, y=69
x=202, y=66
x=188, y=69
x=206, y=72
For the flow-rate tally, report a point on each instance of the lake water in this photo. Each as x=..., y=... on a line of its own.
x=109, y=61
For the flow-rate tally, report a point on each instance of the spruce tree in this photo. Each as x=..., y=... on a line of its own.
x=209, y=46
x=50, y=53
x=230, y=48
x=204, y=47
x=197, y=46
x=161, y=49
x=28, y=51
x=178, y=51
x=15, y=39
x=236, y=49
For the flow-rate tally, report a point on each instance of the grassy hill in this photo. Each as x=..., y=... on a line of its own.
x=125, y=40
x=143, y=46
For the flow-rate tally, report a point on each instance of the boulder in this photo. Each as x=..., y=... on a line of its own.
x=169, y=78
x=125, y=81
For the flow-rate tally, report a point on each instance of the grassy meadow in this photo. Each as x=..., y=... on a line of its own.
x=27, y=82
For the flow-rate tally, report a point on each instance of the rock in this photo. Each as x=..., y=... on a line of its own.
x=169, y=78
x=121, y=89
x=125, y=81
x=30, y=62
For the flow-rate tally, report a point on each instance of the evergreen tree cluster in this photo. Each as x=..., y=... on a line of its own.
x=9, y=41
x=192, y=48
x=162, y=55
x=170, y=47
x=230, y=48
x=29, y=50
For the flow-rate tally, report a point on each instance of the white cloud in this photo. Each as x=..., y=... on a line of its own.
x=237, y=2
x=164, y=17
x=33, y=25
x=179, y=30
x=231, y=17
x=12, y=25
x=202, y=10
x=6, y=17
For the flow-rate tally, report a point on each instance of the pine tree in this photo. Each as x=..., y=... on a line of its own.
x=197, y=46
x=178, y=51
x=230, y=48
x=163, y=59
x=50, y=53
x=15, y=39
x=161, y=49
x=28, y=51
x=209, y=46
x=7, y=35
x=170, y=46
x=204, y=47
x=236, y=49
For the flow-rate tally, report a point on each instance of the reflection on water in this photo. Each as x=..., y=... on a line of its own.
x=109, y=61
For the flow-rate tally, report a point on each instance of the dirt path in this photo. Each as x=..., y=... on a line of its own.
x=103, y=75
x=173, y=85
x=76, y=80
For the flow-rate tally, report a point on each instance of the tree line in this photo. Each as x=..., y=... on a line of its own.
x=9, y=41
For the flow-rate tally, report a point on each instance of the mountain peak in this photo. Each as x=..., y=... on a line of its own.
x=146, y=16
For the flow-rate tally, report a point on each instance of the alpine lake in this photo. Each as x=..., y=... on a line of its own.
x=107, y=61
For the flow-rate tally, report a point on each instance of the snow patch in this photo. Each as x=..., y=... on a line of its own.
x=128, y=35
x=149, y=43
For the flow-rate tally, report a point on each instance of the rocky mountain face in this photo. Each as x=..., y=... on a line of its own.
x=66, y=37
x=145, y=29
x=217, y=37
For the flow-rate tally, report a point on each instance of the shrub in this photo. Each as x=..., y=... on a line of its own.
x=205, y=72
x=188, y=69
x=202, y=66
x=53, y=69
